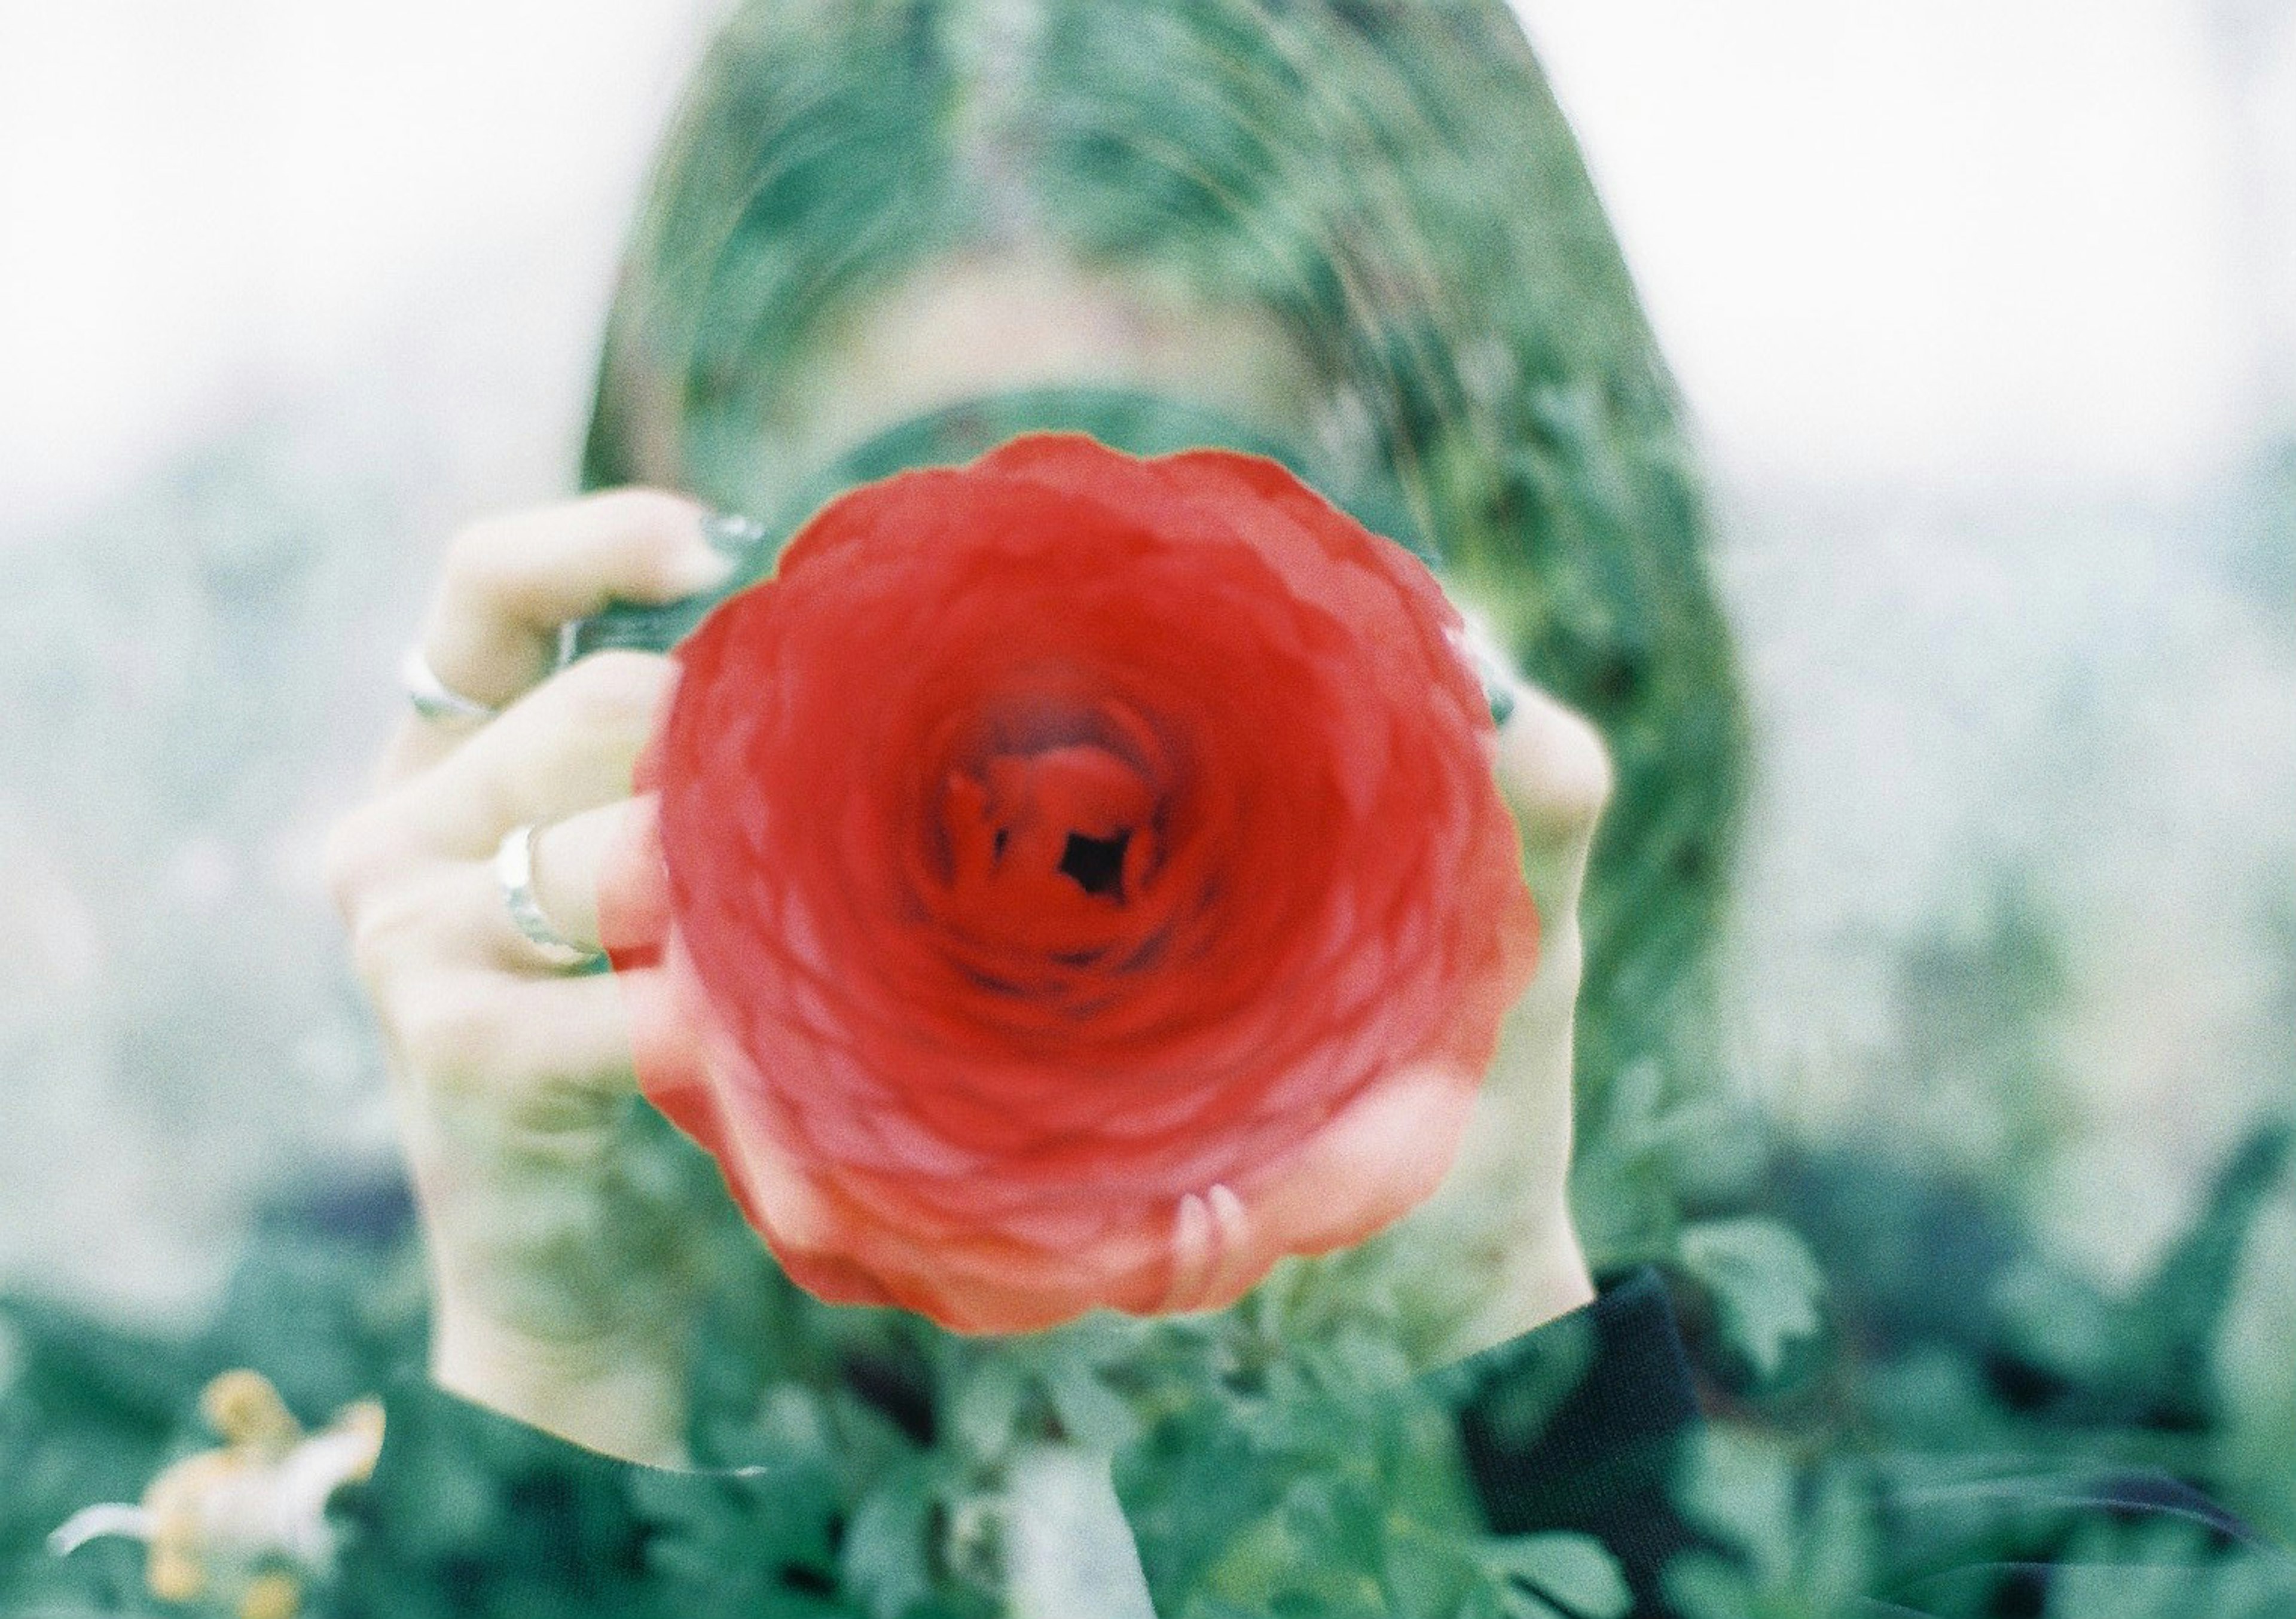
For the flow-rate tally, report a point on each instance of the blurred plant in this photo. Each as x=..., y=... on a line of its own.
x=1797, y=1536
x=242, y=1526
x=325, y=1301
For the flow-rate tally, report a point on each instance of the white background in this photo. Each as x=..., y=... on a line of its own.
x=1939, y=238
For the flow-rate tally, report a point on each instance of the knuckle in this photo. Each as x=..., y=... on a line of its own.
x=373, y=952
x=381, y=932
x=450, y=1032
x=474, y=557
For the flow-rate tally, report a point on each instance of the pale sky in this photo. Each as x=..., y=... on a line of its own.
x=1925, y=239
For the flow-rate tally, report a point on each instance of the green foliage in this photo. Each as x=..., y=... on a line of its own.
x=2167, y=1569
x=1823, y=1537
x=1786, y=1551
x=1656, y=1144
x=1307, y=1479
x=1764, y=1284
x=1646, y=1164
x=1566, y=1575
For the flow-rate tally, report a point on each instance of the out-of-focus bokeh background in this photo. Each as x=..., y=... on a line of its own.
x=1985, y=310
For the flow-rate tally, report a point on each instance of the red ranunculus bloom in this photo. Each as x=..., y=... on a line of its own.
x=1078, y=880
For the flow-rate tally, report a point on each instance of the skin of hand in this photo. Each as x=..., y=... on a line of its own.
x=1491, y=1251
x=559, y=1296
x=1501, y=1218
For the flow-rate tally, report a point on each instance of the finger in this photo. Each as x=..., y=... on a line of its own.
x=1555, y=772
x=467, y=918
x=512, y=584
x=1213, y=1264
x=568, y=857
x=570, y=745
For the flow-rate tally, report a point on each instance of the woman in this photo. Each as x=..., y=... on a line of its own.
x=891, y=234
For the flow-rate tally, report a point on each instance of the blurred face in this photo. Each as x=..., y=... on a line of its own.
x=1021, y=316
x=1013, y=318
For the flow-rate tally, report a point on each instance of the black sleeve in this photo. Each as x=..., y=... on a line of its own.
x=1580, y=1425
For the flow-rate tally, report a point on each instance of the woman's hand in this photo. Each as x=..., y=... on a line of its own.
x=1503, y=1212
x=1493, y=1253
x=559, y=1296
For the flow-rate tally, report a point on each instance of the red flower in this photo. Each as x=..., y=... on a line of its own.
x=1085, y=885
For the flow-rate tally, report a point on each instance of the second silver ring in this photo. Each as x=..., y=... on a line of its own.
x=515, y=870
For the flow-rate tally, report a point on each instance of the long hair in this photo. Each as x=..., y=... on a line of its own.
x=1391, y=184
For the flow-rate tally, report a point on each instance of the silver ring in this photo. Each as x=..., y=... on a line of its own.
x=434, y=699
x=515, y=870
x=732, y=535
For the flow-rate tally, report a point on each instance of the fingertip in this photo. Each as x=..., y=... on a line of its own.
x=640, y=545
x=698, y=567
x=1192, y=1256
x=1553, y=764
x=673, y=547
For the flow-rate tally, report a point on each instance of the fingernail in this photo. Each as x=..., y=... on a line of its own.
x=728, y=540
x=731, y=535
x=1479, y=648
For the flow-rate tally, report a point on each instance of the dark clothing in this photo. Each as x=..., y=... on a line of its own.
x=1603, y=1462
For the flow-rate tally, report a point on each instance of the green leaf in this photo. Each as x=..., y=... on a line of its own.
x=1764, y=1285
x=1704, y=1586
x=1839, y=1550
x=1519, y=1603
x=1741, y=1488
x=1201, y=1606
x=1338, y=1519
x=1427, y=1575
x=1576, y=1570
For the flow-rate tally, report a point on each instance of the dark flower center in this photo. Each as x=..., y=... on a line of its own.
x=1050, y=844
x=1096, y=864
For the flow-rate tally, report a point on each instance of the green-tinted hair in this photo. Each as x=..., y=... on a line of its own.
x=1391, y=184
